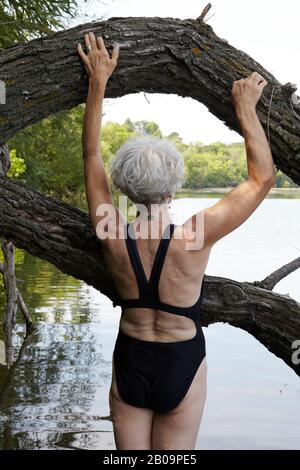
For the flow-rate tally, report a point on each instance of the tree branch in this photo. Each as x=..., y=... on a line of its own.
x=158, y=55
x=204, y=12
x=22, y=305
x=4, y=160
x=11, y=298
x=270, y=281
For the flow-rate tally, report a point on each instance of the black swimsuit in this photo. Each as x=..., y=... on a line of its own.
x=152, y=374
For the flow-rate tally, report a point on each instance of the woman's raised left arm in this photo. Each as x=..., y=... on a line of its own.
x=99, y=67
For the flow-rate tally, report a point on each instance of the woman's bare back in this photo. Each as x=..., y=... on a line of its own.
x=179, y=285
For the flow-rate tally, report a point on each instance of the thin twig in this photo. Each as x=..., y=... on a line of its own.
x=270, y=281
x=21, y=303
x=204, y=12
x=205, y=21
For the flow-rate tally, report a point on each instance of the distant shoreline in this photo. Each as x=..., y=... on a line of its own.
x=275, y=193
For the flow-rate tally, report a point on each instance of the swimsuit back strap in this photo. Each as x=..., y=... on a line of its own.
x=160, y=259
x=148, y=289
x=136, y=263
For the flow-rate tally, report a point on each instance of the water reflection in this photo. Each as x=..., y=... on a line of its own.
x=56, y=394
x=55, y=386
x=59, y=382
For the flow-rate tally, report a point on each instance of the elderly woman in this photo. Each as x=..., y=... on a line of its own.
x=159, y=367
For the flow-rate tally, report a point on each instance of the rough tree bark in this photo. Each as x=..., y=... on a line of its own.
x=163, y=55
x=4, y=160
x=62, y=234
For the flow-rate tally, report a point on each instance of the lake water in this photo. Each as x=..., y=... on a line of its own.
x=56, y=395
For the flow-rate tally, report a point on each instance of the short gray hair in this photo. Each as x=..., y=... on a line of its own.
x=147, y=169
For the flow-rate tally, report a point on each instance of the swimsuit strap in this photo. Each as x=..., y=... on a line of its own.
x=160, y=259
x=148, y=289
x=136, y=263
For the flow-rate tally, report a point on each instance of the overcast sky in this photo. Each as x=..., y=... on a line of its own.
x=266, y=30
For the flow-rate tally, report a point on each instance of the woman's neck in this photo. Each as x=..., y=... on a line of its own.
x=158, y=213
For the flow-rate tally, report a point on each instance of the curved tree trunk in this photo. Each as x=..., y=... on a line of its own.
x=163, y=55
x=62, y=234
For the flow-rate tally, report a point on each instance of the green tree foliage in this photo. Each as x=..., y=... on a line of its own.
x=52, y=152
x=177, y=141
x=17, y=167
x=23, y=20
x=113, y=135
x=147, y=128
x=214, y=165
x=48, y=156
x=283, y=181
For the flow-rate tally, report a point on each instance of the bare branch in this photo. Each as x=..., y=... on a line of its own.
x=270, y=281
x=204, y=12
x=183, y=57
x=11, y=298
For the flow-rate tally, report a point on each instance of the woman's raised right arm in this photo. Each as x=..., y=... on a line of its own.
x=239, y=203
